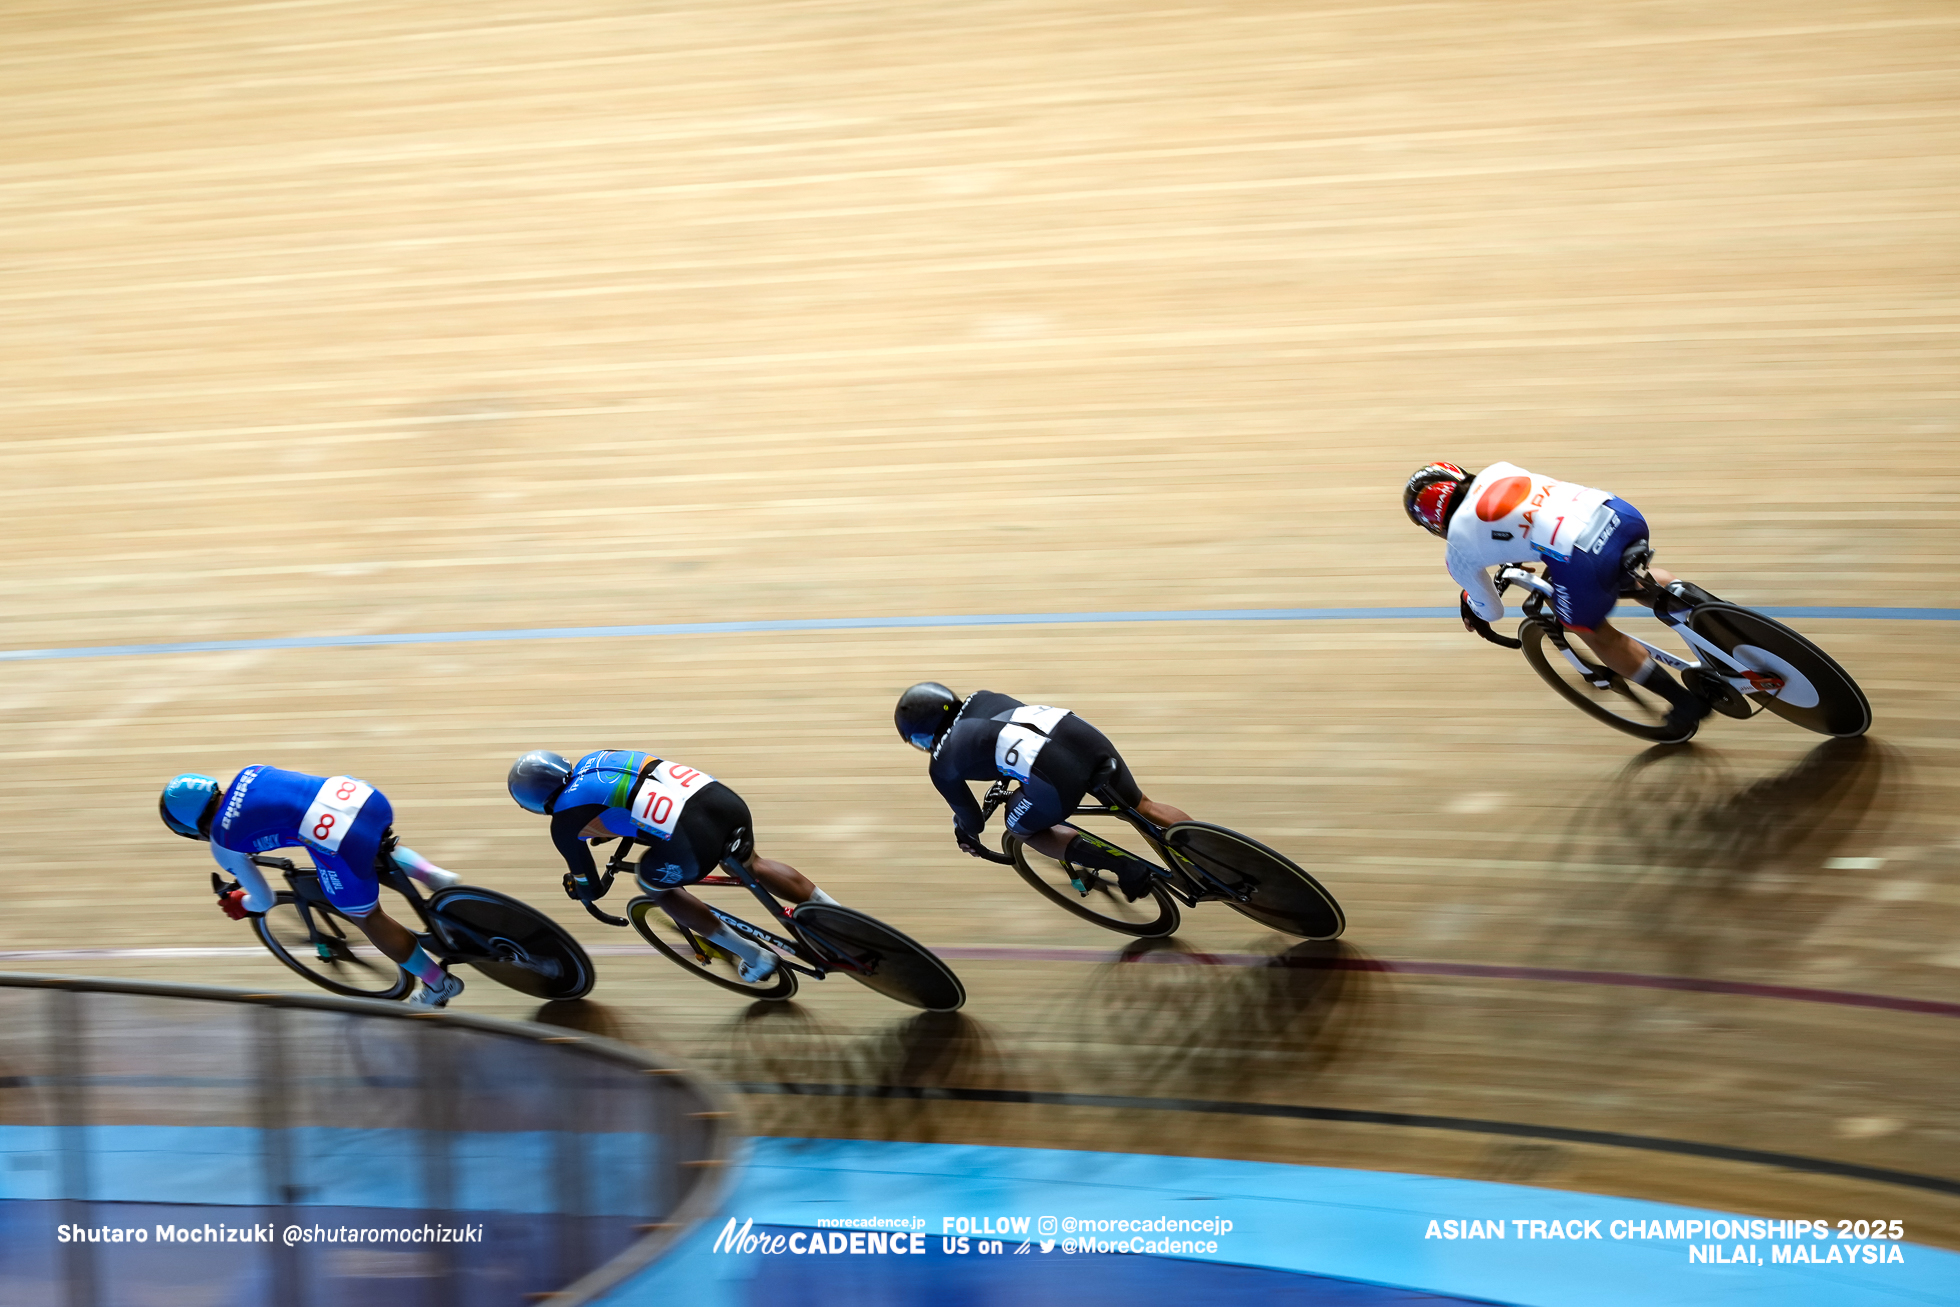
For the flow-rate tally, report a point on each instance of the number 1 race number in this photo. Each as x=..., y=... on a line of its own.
x=334, y=809
x=657, y=802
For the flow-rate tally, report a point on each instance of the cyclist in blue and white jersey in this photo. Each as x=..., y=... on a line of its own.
x=1588, y=540
x=342, y=822
x=687, y=818
x=1051, y=751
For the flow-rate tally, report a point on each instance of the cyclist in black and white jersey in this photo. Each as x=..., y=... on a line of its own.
x=1053, y=753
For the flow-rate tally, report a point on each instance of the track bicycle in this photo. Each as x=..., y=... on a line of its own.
x=1746, y=663
x=811, y=939
x=1200, y=863
x=510, y=942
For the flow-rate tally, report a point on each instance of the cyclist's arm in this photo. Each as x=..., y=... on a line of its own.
x=966, y=809
x=258, y=895
x=566, y=824
x=1477, y=585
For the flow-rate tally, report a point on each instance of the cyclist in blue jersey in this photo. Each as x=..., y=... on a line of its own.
x=342, y=822
x=687, y=819
x=1051, y=751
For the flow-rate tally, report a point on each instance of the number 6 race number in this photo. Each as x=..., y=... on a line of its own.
x=334, y=809
x=657, y=802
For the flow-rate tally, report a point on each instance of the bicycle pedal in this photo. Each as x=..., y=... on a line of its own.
x=325, y=953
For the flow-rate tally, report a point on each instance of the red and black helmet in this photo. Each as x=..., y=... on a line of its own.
x=1430, y=498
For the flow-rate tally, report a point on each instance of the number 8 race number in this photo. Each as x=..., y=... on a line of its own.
x=333, y=811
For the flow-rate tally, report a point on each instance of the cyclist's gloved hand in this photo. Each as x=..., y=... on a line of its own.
x=233, y=905
x=1478, y=626
x=969, y=844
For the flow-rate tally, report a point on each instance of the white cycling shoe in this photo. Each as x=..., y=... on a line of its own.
x=438, y=995
x=754, y=973
x=440, y=880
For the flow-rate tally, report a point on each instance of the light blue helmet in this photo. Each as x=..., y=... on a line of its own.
x=188, y=804
x=537, y=779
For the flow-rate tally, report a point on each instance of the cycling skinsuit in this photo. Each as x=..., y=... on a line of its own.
x=1509, y=515
x=685, y=816
x=342, y=822
x=1051, y=751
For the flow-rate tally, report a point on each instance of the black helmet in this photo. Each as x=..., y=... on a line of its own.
x=537, y=779
x=924, y=713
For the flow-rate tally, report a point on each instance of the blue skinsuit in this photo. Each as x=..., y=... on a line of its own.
x=263, y=809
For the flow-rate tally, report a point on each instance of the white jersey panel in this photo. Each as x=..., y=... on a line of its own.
x=659, y=798
x=1024, y=737
x=333, y=811
x=1510, y=515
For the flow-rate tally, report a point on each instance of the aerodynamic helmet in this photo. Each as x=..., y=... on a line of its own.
x=188, y=804
x=1431, y=496
x=537, y=779
x=924, y=712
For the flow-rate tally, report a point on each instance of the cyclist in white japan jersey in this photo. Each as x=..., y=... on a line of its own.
x=343, y=823
x=1586, y=538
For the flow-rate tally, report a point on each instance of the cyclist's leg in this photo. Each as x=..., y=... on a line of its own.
x=358, y=897
x=410, y=863
x=701, y=839
x=1039, y=812
x=1075, y=752
x=1584, y=589
x=349, y=876
x=1126, y=788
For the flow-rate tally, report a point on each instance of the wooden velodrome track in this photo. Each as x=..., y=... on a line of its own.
x=339, y=317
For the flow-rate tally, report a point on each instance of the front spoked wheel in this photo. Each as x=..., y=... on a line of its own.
x=1100, y=900
x=1595, y=690
x=1814, y=692
x=878, y=957
x=710, y=962
x=511, y=942
x=316, y=940
x=1284, y=897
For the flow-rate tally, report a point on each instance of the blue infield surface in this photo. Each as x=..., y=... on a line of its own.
x=942, y=1225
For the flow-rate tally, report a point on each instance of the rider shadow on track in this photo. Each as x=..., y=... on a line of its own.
x=1168, y=1021
x=588, y=1018
x=819, y=1078
x=902, y=1081
x=1679, y=866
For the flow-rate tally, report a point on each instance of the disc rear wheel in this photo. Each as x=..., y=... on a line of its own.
x=710, y=962
x=510, y=942
x=318, y=941
x=879, y=957
x=1100, y=900
x=1283, y=895
x=1815, y=693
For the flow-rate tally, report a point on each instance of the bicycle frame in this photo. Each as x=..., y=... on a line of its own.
x=305, y=881
x=798, y=952
x=1182, y=879
x=1745, y=680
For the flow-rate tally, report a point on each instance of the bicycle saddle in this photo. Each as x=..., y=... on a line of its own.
x=1100, y=778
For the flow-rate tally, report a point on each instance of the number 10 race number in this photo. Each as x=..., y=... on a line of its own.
x=657, y=803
